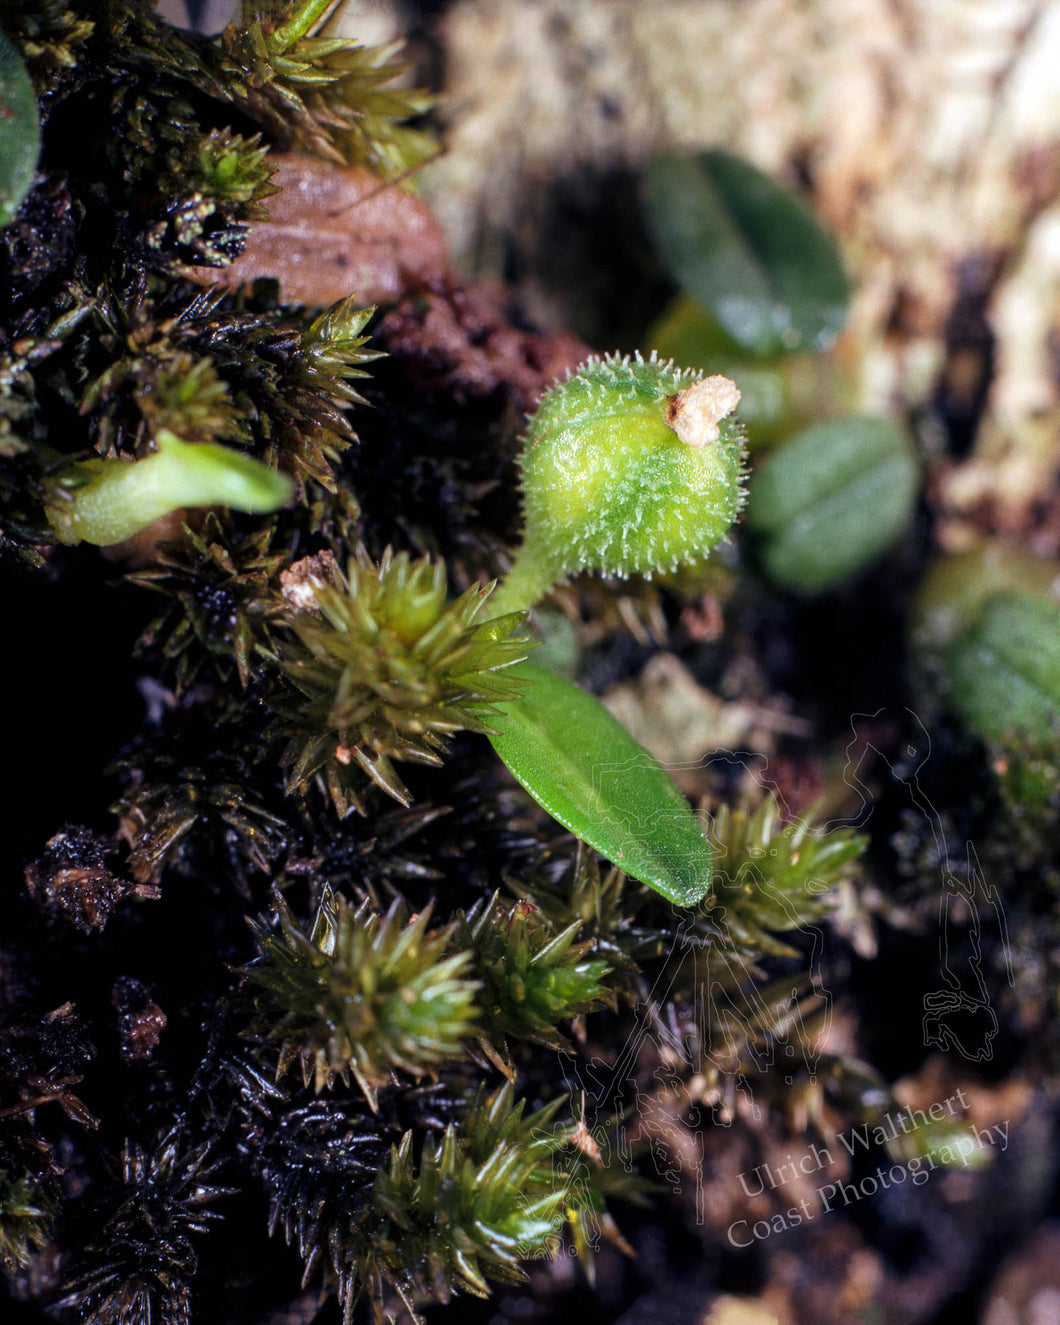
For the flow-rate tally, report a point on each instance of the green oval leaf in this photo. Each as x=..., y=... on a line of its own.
x=955, y=589
x=582, y=766
x=1005, y=673
x=19, y=131
x=830, y=500
x=106, y=501
x=748, y=250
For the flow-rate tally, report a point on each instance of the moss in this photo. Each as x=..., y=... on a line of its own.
x=449, y=1036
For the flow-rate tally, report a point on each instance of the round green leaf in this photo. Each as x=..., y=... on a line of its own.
x=19, y=131
x=955, y=589
x=582, y=766
x=830, y=500
x=748, y=250
x=1005, y=673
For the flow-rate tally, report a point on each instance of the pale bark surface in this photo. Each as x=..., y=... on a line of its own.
x=927, y=133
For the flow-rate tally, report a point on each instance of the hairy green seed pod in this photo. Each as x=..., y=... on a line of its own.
x=630, y=466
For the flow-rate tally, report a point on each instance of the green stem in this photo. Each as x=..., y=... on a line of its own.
x=305, y=17
x=529, y=579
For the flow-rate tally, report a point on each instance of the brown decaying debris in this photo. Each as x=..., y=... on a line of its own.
x=334, y=231
x=70, y=881
x=463, y=341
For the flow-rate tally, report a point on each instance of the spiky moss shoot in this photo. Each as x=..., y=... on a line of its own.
x=362, y=994
x=534, y=974
x=187, y=398
x=332, y=351
x=323, y=93
x=771, y=877
x=608, y=908
x=630, y=466
x=389, y=670
x=158, y=385
x=483, y=1197
x=174, y=804
x=221, y=598
x=25, y=1219
x=229, y=168
x=140, y=1266
x=305, y=401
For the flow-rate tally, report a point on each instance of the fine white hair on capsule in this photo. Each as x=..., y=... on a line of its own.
x=604, y=488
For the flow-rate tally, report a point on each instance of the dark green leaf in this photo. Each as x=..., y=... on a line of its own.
x=953, y=593
x=830, y=500
x=748, y=250
x=586, y=770
x=1005, y=673
x=19, y=131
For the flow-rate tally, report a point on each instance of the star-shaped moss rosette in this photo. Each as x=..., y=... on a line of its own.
x=477, y=1200
x=220, y=600
x=328, y=94
x=25, y=1217
x=773, y=877
x=362, y=994
x=534, y=976
x=386, y=670
x=140, y=1265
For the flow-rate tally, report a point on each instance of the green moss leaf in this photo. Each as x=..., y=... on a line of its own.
x=586, y=770
x=20, y=134
x=748, y=250
x=830, y=500
x=1005, y=673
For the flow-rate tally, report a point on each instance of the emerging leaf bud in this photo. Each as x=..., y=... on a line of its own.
x=107, y=501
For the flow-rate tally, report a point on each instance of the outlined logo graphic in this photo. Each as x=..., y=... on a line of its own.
x=730, y=1026
x=958, y=1016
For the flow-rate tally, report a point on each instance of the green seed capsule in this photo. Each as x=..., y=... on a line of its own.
x=630, y=466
